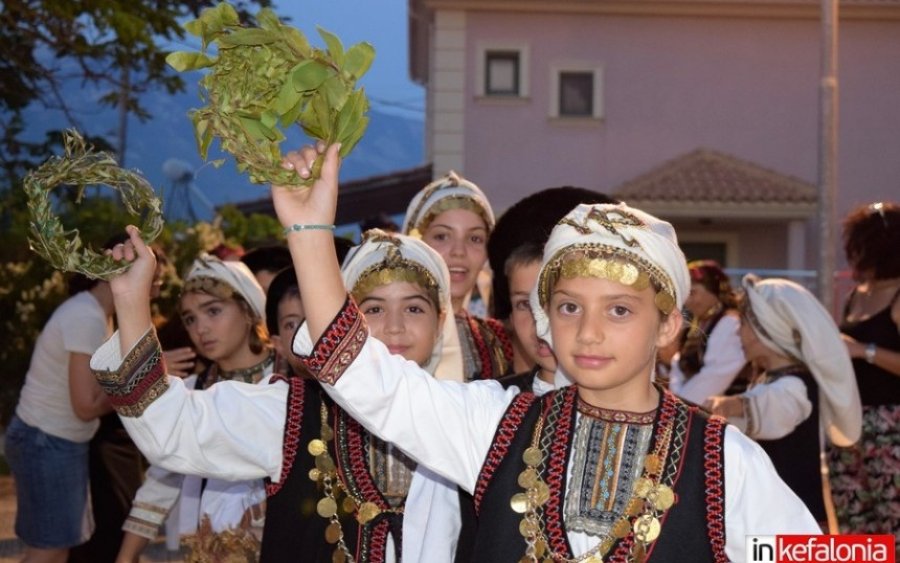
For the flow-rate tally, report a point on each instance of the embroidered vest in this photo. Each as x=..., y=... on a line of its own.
x=693, y=529
x=487, y=349
x=796, y=456
x=294, y=532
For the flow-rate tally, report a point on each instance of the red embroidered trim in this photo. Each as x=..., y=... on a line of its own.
x=557, y=462
x=339, y=345
x=505, y=342
x=378, y=543
x=714, y=471
x=137, y=396
x=510, y=422
x=292, y=428
x=354, y=470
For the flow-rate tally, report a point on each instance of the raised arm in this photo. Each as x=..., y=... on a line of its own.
x=306, y=215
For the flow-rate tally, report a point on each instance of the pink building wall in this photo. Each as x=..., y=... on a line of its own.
x=748, y=87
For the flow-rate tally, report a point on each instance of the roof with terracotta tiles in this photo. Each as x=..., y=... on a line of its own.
x=706, y=176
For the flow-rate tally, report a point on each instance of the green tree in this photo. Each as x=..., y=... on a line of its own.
x=118, y=46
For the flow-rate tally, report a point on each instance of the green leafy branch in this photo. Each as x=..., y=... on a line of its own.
x=267, y=78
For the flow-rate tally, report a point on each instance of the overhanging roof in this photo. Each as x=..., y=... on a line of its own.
x=359, y=199
x=705, y=182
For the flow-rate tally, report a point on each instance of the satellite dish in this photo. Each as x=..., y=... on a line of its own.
x=178, y=170
x=181, y=180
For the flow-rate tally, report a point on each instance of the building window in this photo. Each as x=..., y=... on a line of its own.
x=501, y=73
x=576, y=94
x=576, y=91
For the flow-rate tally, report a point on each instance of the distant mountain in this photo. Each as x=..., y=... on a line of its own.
x=392, y=142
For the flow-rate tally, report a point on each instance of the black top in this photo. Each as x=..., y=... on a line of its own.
x=876, y=385
x=796, y=455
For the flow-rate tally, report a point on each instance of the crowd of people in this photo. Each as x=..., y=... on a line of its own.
x=323, y=401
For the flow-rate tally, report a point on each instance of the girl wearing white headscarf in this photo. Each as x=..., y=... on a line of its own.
x=806, y=388
x=366, y=494
x=453, y=216
x=223, y=309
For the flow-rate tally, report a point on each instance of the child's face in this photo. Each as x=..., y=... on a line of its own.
x=522, y=278
x=754, y=349
x=404, y=319
x=219, y=328
x=460, y=237
x=605, y=335
x=290, y=316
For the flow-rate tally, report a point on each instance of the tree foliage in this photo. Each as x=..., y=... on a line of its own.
x=116, y=46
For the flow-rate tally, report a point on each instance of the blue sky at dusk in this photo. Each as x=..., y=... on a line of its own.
x=383, y=23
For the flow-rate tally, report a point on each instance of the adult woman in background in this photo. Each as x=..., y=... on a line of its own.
x=47, y=442
x=864, y=478
x=710, y=360
x=453, y=216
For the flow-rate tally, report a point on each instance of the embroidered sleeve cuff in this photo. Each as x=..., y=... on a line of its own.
x=144, y=520
x=138, y=380
x=338, y=346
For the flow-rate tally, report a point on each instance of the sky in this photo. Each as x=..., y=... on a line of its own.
x=383, y=23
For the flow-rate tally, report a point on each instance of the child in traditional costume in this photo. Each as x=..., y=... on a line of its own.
x=611, y=468
x=453, y=216
x=223, y=309
x=806, y=385
x=336, y=493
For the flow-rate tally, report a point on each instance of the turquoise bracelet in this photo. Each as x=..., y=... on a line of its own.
x=295, y=227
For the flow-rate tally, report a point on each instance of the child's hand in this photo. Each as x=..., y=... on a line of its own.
x=134, y=284
x=318, y=204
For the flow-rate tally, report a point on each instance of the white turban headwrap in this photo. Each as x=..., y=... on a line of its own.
x=441, y=195
x=789, y=320
x=236, y=275
x=619, y=231
x=380, y=251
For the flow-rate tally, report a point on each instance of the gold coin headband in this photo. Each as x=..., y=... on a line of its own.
x=209, y=285
x=268, y=78
x=591, y=260
x=406, y=271
x=82, y=166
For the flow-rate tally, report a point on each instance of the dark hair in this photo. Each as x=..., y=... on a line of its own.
x=283, y=284
x=523, y=255
x=871, y=239
x=79, y=282
x=530, y=220
x=711, y=276
x=379, y=221
x=271, y=258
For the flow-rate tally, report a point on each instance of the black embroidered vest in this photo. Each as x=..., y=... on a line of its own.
x=693, y=529
x=294, y=532
x=693, y=352
x=796, y=456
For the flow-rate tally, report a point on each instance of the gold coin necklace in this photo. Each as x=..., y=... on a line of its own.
x=328, y=507
x=649, y=500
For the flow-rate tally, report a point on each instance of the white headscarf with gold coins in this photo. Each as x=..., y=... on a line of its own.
x=449, y=192
x=384, y=258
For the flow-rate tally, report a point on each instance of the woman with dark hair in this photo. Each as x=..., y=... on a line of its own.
x=864, y=478
x=710, y=360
